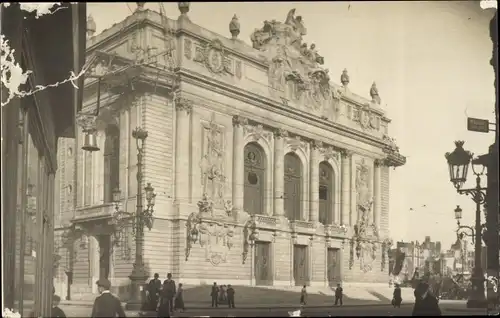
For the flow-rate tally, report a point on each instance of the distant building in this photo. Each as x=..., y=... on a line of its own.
x=418, y=257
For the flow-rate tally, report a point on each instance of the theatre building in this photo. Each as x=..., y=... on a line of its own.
x=266, y=171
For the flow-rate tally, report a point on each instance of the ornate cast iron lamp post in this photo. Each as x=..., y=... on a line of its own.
x=143, y=217
x=461, y=228
x=458, y=162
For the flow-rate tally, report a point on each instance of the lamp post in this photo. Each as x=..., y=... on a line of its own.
x=140, y=219
x=458, y=163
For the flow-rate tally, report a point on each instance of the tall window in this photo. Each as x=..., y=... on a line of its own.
x=326, y=198
x=255, y=168
x=87, y=178
x=293, y=186
x=132, y=154
x=111, y=162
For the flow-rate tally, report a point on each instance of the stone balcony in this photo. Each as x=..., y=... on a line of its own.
x=94, y=212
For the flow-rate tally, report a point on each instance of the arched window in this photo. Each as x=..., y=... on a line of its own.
x=111, y=162
x=326, y=199
x=255, y=168
x=293, y=187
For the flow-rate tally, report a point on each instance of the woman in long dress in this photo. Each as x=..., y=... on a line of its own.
x=179, y=300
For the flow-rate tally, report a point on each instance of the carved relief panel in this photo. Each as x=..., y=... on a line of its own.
x=212, y=163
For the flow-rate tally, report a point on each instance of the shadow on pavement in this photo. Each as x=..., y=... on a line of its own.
x=199, y=296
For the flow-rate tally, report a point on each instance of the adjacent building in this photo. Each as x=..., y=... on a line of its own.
x=51, y=47
x=266, y=171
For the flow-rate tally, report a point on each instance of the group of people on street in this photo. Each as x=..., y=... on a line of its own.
x=222, y=294
x=164, y=298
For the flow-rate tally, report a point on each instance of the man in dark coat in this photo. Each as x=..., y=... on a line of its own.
x=154, y=288
x=426, y=304
x=169, y=291
x=339, y=294
x=106, y=304
x=214, y=294
x=230, y=296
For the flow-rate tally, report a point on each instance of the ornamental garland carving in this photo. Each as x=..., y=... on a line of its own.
x=296, y=143
x=214, y=57
x=329, y=153
x=256, y=132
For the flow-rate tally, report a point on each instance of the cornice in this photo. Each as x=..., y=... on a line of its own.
x=276, y=107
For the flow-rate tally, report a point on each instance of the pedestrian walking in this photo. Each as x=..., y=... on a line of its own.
x=56, y=312
x=396, y=298
x=215, y=294
x=426, y=304
x=230, y=296
x=303, y=296
x=168, y=292
x=106, y=304
x=339, y=294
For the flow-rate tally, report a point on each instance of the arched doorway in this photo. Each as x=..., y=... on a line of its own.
x=326, y=199
x=255, y=168
x=111, y=162
x=293, y=187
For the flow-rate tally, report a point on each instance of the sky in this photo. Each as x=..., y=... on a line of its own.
x=431, y=64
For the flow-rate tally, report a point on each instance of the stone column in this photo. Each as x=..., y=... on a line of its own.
x=279, y=171
x=182, y=144
x=238, y=163
x=314, y=182
x=345, y=186
x=377, y=197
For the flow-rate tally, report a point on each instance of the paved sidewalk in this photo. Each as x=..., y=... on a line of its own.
x=204, y=305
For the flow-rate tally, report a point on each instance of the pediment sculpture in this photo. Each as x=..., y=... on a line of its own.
x=295, y=71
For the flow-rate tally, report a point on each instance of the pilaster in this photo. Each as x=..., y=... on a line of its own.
x=377, y=197
x=279, y=171
x=345, y=185
x=238, y=163
x=183, y=108
x=314, y=186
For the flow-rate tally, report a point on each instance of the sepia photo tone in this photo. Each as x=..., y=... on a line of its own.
x=249, y=159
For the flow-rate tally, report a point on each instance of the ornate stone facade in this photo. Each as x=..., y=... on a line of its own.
x=259, y=162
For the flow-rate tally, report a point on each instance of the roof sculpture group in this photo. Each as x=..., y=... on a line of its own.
x=296, y=72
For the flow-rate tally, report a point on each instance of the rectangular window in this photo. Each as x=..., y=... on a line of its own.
x=132, y=154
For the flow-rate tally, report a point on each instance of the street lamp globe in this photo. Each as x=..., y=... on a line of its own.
x=458, y=213
x=117, y=194
x=150, y=193
x=458, y=164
